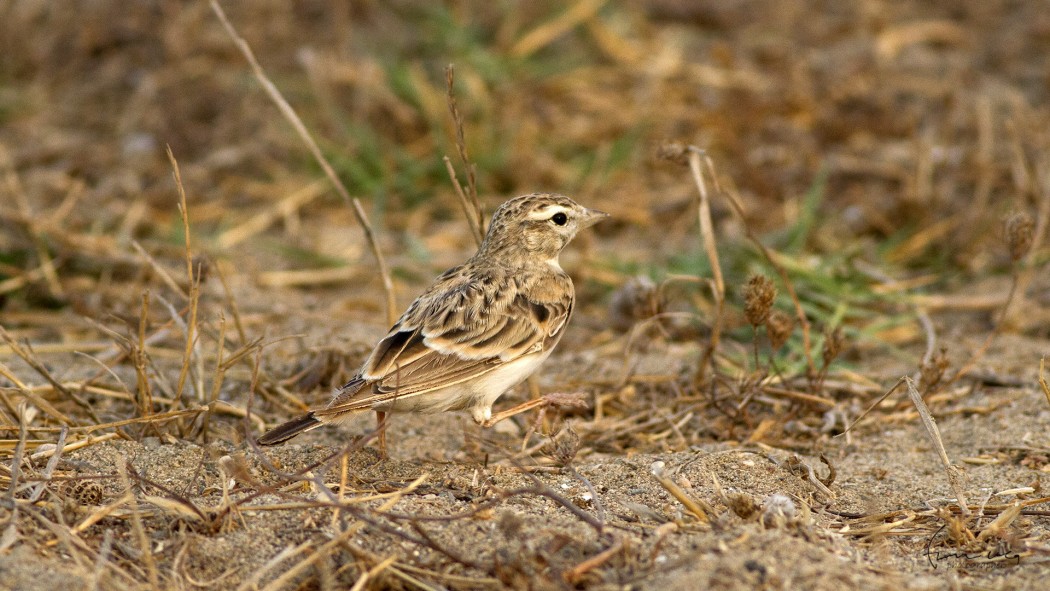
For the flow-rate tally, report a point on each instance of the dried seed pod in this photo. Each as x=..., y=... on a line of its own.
x=743, y=504
x=759, y=294
x=778, y=510
x=510, y=523
x=636, y=300
x=673, y=152
x=932, y=371
x=834, y=343
x=1020, y=232
x=779, y=327
x=565, y=447
x=84, y=492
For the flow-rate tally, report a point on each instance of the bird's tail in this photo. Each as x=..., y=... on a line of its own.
x=289, y=429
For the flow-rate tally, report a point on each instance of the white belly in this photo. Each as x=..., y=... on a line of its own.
x=478, y=395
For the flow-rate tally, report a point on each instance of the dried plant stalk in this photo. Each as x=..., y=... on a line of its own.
x=1042, y=379
x=707, y=237
x=546, y=33
x=139, y=530
x=676, y=491
x=304, y=134
x=955, y=477
x=471, y=206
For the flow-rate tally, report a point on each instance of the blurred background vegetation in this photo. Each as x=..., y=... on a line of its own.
x=876, y=146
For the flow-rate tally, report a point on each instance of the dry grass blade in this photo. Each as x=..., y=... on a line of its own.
x=21, y=280
x=52, y=463
x=163, y=273
x=372, y=573
x=882, y=529
x=194, y=281
x=309, y=277
x=264, y=219
x=997, y=526
x=48, y=450
x=544, y=34
x=955, y=477
x=101, y=513
x=153, y=418
x=315, y=150
x=10, y=534
x=144, y=389
x=804, y=397
x=707, y=237
x=871, y=407
x=321, y=552
x=795, y=464
x=252, y=582
x=676, y=491
x=139, y=530
x=26, y=391
x=573, y=575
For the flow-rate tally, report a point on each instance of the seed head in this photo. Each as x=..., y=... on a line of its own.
x=565, y=447
x=779, y=327
x=636, y=300
x=834, y=343
x=673, y=152
x=759, y=294
x=1020, y=231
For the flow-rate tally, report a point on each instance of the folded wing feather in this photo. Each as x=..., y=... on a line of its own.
x=470, y=331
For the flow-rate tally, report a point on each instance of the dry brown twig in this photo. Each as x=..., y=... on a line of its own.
x=304, y=134
x=1042, y=379
x=471, y=206
x=574, y=574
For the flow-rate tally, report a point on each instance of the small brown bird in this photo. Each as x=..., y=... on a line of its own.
x=479, y=330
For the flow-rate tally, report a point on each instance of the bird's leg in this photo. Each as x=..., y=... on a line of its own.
x=506, y=414
x=381, y=427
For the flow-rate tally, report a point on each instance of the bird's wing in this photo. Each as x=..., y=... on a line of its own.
x=456, y=331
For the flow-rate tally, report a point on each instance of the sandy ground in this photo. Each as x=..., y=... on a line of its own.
x=452, y=500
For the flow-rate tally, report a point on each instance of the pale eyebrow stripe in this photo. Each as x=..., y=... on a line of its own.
x=547, y=210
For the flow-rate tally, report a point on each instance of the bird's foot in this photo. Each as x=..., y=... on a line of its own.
x=559, y=399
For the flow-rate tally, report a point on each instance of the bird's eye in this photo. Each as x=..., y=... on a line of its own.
x=559, y=218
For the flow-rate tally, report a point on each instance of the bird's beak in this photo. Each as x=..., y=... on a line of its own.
x=591, y=217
